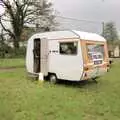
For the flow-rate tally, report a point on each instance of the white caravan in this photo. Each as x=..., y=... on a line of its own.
x=69, y=55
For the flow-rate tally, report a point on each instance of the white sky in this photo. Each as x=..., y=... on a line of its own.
x=96, y=10
x=89, y=9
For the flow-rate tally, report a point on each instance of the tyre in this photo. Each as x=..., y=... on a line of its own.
x=53, y=79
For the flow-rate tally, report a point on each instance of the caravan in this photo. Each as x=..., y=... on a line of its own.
x=69, y=55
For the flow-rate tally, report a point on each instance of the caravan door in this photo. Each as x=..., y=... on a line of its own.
x=40, y=55
x=37, y=54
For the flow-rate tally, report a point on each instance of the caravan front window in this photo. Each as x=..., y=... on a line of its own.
x=68, y=48
x=95, y=51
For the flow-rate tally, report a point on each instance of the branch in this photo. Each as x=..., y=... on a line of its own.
x=5, y=29
x=6, y=20
x=25, y=6
x=8, y=7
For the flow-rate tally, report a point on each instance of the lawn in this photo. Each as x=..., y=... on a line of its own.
x=23, y=99
x=17, y=62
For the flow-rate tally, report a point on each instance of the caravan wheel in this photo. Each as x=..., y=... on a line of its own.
x=53, y=78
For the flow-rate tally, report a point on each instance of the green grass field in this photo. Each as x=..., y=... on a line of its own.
x=23, y=99
x=11, y=62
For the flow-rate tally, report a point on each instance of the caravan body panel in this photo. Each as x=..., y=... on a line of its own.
x=67, y=67
x=29, y=56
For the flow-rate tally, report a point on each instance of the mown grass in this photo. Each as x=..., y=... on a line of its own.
x=22, y=99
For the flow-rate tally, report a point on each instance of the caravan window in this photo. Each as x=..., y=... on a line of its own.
x=95, y=51
x=68, y=48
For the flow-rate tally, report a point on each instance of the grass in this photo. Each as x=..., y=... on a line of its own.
x=11, y=62
x=22, y=99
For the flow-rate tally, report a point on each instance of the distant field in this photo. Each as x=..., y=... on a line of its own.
x=23, y=99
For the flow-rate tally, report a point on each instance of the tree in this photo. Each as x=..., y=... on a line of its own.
x=110, y=33
x=21, y=13
x=4, y=48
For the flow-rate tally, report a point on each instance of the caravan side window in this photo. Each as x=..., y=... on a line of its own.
x=68, y=48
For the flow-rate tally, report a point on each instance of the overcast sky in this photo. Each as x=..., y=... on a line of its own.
x=96, y=10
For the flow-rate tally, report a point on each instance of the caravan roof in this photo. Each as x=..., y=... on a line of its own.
x=70, y=34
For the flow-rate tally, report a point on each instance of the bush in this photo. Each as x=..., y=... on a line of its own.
x=21, y=52
x=8, y=52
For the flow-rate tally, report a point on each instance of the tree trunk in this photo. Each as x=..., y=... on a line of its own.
x=16, y=44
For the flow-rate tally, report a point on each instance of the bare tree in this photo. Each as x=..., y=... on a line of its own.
x=21, y=13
